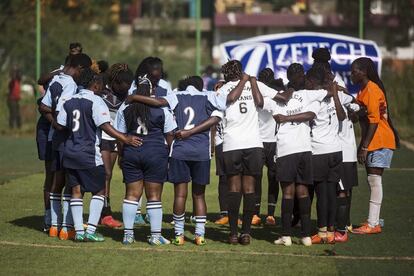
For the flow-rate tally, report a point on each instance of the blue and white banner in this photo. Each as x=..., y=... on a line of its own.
x=278, y=51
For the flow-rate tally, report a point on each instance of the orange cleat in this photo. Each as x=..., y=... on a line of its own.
x=316, y=239
x=270, y=220
x=366, y=229
x=110, y=222
x=256, y=220
x=341, y=237
x=53, y=232
x=222, y=220
x=67, y=235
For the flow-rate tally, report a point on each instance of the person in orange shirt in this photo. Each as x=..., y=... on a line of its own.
x=379, y=138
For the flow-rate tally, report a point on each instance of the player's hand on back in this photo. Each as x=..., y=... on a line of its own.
x=280, y=118
x=218, y=85
x=133, y=141
x=182, y=134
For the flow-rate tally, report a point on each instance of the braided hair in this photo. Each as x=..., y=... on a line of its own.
x=367, y=65
x=119, y=73
x=138, y=111
x=232, y=70
x=294, y=69
x=321, y=58
x=88, y=77
x=266, y=75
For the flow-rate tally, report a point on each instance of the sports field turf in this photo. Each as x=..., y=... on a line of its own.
x=25, y=249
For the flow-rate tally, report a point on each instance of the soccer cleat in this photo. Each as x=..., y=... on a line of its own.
x=95, y=237
x=178, y=240
x=339, y=237
x=67, y=235
x=239, y=222
x=316, y=239
x=284, y=240
x=306, y=241
x=110, y=222
x=139, y=219
x=53, y=232
x=200, y=240
x=128, y=239
x=222, y=220
x=366, y=229
x=79, y=237
x=244, y=239
x=233, y=239
x=270, y=220
x=158, y=240
x=349, y=228
x=256, y=220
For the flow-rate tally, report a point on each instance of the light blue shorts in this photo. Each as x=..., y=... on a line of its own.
x=380, y=158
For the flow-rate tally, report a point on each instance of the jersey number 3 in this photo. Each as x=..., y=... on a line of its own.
x=76, y=117
x=190, y=113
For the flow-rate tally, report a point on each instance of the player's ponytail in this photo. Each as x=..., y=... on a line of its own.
x=138, y=111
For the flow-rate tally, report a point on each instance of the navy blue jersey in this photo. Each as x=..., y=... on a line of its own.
x=159, y=91
x=42, y=123
x=192, y=107
x=82, y=115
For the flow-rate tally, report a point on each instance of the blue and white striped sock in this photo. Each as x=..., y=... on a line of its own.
x=200, y=227
x=95, y=210
x=154, y=211
x=76, y=206
x=179, y=224
x=55, y=209
x=67, y=221
x=129, y=208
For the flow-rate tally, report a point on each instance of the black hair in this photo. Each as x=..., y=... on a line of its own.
x=367, y=65
x=321, y=55
x=266, y=75
x=120, y=73
x=88, y=77
x=232, y=70
x=139, y=111
x=316, y=74
x=195, y=81
x=82, y=60
x=182, y=84
x=74, y=45
x=277, y=84
x=294, y=69
x=103, y=66
x=146, y=66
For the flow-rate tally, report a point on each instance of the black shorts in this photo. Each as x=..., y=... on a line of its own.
x=269, y=155
x=91, y=180
x=327, y=167
x=296, y=167
x=108, y=145
x=219, y=160
x=349, y=176
x=243, y=161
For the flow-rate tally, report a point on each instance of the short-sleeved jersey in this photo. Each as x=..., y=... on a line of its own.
x=294, y=137
x=325, y=126
x=192, y=107
x=241, y=122
x=346, y=135
x=82, y=115
x=267, y=125
x=373, y=99
x=159, y=90
x=113, y=103
x=161, y=121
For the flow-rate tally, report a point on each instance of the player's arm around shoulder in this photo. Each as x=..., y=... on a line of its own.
x=235, y=94
x=257, y=96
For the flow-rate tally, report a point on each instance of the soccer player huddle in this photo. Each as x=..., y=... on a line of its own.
x=93, y=114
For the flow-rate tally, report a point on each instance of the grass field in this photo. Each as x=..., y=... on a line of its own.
x=24, y=249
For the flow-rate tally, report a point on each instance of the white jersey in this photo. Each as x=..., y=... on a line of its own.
x=325, y=126
x=346, y=135
x=241, y=122
x=294, y=137
x=267, y=125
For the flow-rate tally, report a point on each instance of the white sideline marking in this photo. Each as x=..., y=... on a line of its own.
x=250, y=253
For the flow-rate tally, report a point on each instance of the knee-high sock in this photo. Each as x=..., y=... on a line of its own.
x=154, y=211
x=200, y=227
x=348, y=208
x=341, y=213
x=222, y=195
x=179, y=224
x=67, y=220
x=321, y=190
x=248, y=212
x=129, y=208
x=287, y=211
x=95, y=209
x=76, y=206
x=375, y=184
x=258, y=194
x=304, y=210
x=47, y=218
x=55, y=209
x=273, y=193
x=234, y=199
x=332, y=190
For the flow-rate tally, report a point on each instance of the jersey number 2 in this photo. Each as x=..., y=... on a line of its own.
x=190, y=113
x=76, y=117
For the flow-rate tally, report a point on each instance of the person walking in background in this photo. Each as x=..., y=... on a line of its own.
x=13, y=99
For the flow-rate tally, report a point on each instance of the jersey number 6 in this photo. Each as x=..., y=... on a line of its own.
x=243, y=108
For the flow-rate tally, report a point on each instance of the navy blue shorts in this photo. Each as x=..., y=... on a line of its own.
x=57, y=161
x=41, y=141
x=91, y=180
x=180, y=171
x=139, y=165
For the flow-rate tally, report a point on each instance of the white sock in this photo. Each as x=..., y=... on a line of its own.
x=375, y=184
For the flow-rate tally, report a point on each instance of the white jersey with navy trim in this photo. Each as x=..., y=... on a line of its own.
x=82, y=115
x=294, y=137
x=241, y=122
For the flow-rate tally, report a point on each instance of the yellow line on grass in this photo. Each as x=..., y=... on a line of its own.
x=247, y=253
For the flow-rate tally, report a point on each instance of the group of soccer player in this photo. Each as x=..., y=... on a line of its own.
x=93, y=114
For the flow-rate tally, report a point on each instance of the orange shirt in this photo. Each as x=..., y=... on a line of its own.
x=373, y=99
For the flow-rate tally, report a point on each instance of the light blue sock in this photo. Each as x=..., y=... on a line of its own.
x=129, y=208
x=154, y=211
x=55, y=209
x=200, y=227
x=47, y=218
x=179, y=224
x=95, y=210
x=67, y=221
x=76, y=206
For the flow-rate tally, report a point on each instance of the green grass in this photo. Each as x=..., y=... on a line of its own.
x=24, y=249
